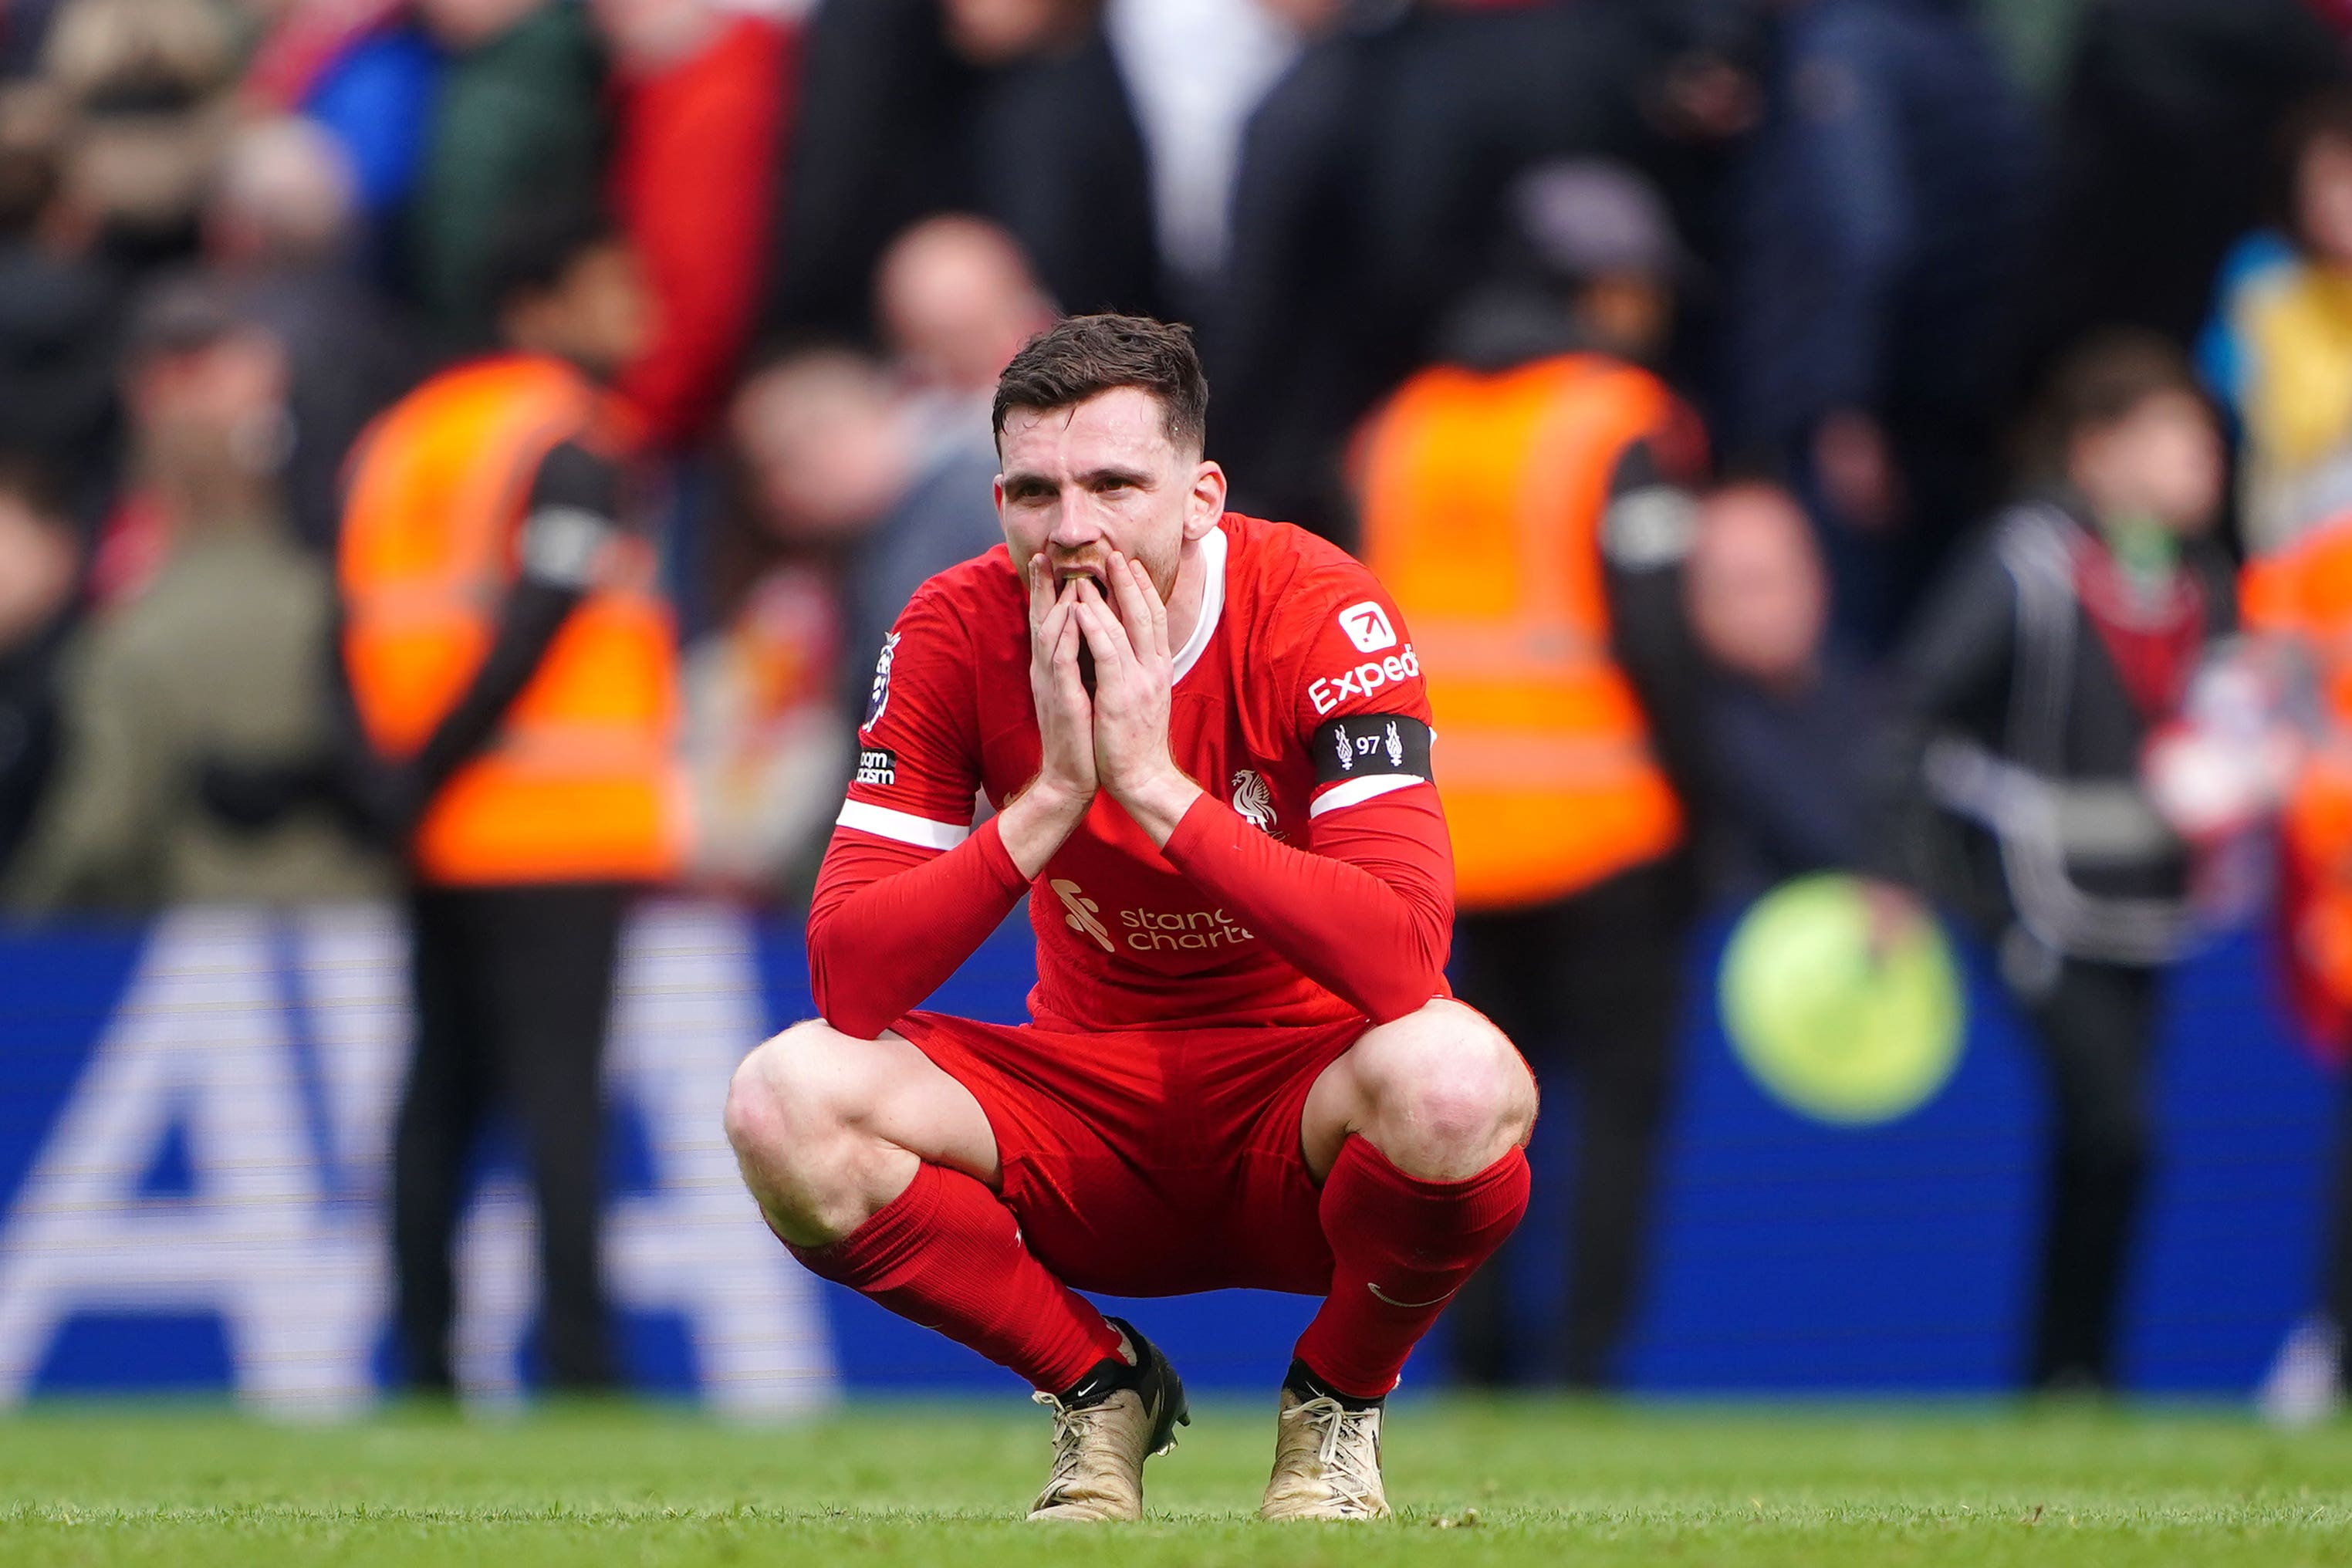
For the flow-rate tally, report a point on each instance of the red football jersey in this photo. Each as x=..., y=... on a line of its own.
x=1298, y=696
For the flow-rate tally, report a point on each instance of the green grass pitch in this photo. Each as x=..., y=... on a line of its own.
x=1549, y=1482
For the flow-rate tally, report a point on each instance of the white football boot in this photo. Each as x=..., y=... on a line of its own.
x=1327, y=1461
x=1103, y=1431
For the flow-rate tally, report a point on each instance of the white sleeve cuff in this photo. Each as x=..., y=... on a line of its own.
x=903, y=825
x=1355, y=791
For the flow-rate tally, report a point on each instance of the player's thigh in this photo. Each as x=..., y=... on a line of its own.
x=811, y=1086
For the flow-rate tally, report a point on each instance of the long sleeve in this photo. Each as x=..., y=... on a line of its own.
x=1367, y=914
x=691, y=176
x=573, y=515
x=1645, y=538
x=908, y=890
x=96, y=839
x=1952, y=671
x=891, y=922
x=1825, y=226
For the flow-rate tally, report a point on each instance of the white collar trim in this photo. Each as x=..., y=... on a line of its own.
x=1212, y=602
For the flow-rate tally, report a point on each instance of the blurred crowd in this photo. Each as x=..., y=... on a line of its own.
x=1988, y=340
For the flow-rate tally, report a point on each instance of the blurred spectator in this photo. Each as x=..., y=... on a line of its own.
x=1882, y=221
x=2026, y=697
x=700, y=105
x=2288, y=327
x=956, y=300
x=366, y=71
x=219, y=660
x=1788, y=715
x=1010, y=109
x=837, y=460
x=40, y=565
x=1367, y=199
x=2165, y=136
x=149, y=82
x=2297, y=602
x=1524, y=502
x=517, y=122
x=767, y=725
x=280, y=232
x=1192, y=118
x=513, y=679
x=59, y=308
x=1285, y=340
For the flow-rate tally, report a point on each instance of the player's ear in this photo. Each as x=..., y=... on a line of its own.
x=1207, y=502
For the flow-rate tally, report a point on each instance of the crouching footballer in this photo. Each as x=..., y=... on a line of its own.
x=1208, y=745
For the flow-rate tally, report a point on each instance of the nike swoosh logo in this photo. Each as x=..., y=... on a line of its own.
x=1392, y=1301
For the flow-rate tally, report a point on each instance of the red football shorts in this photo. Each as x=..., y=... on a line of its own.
x=1153, y=1163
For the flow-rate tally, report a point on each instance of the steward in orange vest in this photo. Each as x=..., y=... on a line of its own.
x=1485, y=501
x=513, y=676
x=1527, y=503
x=502, y=634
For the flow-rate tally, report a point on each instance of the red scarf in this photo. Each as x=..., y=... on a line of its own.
x=2153, y=639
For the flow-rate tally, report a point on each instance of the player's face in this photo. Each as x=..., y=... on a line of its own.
x=1081, y=482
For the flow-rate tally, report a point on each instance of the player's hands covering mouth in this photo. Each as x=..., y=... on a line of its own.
x=1115, y=739
x=1065, y=777
x=1134, y=671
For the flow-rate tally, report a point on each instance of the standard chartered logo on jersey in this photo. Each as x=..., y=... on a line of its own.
x=1086, y=915
x=1151, y=930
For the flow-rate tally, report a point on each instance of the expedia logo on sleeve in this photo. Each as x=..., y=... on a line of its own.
x=1367, y=626
x=1367, y=745
x=1364, y=680
x=876, y=766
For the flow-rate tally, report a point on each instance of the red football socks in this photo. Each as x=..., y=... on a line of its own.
x=1400, y=1246
x=946, y=1254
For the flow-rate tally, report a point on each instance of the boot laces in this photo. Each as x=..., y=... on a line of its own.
x=1073, y=1429
x=1347, y=1446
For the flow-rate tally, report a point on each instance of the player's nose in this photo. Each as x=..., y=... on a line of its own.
x=1075, y=527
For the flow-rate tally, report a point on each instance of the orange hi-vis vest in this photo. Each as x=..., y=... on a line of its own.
x=2303, y=594
x=577, y=783
x=1483, y=498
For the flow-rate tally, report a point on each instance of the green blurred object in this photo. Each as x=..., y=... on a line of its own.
x=1832, y=1024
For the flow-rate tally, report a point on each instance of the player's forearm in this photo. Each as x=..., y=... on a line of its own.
x=1035, y=824
x=1159, y=805
x=888, y=925
x=1371, y=924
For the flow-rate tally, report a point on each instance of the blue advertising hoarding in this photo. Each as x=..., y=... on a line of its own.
x=193, y=1119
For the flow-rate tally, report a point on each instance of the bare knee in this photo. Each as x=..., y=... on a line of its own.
x=1446, y=1094
x=778, y=1097
x=792, y=1117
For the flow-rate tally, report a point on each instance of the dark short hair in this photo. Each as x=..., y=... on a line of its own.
x=534, y=246
x=2102, y=379
x=1081, y=356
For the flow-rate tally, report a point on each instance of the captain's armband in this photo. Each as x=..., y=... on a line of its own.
x=1361, y=756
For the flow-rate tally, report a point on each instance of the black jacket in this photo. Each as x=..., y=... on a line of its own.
x=894, y=126
x=2013, y=767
